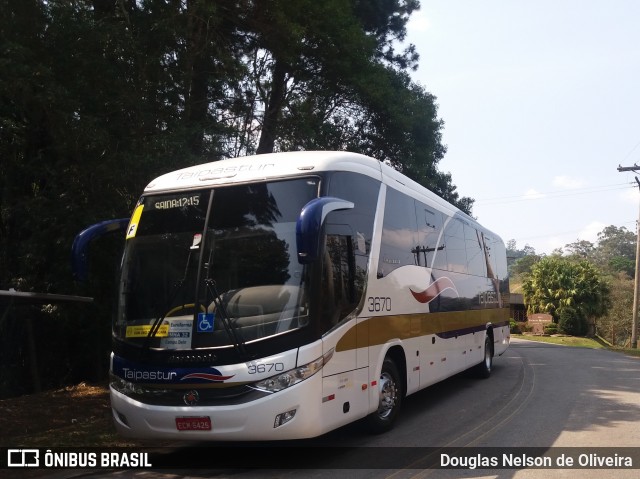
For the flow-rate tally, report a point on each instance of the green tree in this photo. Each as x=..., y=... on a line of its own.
x=326, y=75
x=97, y=97
x=580, y=249
x=558, y=283
x=571, y=321
x=306, y=43
x=92, y=105
x=514, y=253
x=615, y=325
x=616, y=250
x=522, y=266
x=387, y=117
x=520, y=261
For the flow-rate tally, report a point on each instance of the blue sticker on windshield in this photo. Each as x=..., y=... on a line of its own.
x=205, y=322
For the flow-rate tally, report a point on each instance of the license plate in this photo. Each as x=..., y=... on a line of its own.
x=193, y=423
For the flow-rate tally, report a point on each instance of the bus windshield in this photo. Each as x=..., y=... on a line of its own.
x=215, y=267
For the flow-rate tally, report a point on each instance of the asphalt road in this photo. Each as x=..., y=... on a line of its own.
x=541, y=397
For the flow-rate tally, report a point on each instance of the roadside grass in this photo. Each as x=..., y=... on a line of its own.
x=592, y=343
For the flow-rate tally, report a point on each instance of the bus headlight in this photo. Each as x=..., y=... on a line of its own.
x=293, y=376
x=132, y=389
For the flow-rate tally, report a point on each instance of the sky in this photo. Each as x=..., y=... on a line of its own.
x=541, y=105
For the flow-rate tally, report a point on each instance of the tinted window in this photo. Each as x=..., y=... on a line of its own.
x=399, y=240
x=499, y=252
x=476, y=263
x=489, y=249
x=248, y=249
x=455, y=247
x=348, y=244
x=341, y=290
x=363, y=192
x=430, y=237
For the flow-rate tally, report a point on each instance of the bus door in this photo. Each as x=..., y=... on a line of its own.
x=347, y=371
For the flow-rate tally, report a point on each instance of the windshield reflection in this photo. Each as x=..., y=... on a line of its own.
x=239, y=277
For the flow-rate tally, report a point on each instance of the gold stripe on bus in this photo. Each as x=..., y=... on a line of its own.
x=378, y=330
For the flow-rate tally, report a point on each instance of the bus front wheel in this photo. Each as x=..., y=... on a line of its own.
x=389, y=398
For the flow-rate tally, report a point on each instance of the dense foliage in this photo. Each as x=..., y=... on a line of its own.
x=588, y=287
x=570, y=290
x=97, y=97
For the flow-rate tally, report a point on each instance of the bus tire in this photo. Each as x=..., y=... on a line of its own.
x=483, y=369
x=389, y=399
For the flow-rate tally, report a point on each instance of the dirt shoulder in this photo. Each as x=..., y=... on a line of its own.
x=74, y=416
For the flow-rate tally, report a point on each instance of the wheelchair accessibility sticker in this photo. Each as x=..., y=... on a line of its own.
x=205, y=322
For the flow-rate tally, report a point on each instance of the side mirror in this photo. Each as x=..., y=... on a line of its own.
x=310, y=223
x=82, y=240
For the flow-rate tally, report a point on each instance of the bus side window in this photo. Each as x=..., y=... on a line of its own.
x=347, y=245
x=430, y=248
x=363, y=192
x=455, y=246
x=500, y=254
x=341, y=294
x=398, y=233
x=490, y=256
x=476, y=263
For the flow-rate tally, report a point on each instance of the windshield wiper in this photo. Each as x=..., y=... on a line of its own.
x=210, y=286
x=155, y=326
x=229, y=327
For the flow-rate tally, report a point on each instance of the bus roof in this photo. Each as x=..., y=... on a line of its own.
x=261, y=167
x=290, y=164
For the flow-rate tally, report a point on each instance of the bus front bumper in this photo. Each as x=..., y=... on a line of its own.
x=281, y=416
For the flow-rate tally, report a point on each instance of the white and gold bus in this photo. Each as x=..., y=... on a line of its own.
x=282, y=296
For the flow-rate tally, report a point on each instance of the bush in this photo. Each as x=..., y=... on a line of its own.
x=551, y=328
x=570, y=321
x=514, y=326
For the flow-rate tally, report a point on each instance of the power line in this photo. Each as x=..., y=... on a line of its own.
x=632, y=150
x=555, y=194
x=547, y=235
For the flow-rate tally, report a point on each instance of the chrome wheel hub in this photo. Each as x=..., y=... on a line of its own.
x=388, y=395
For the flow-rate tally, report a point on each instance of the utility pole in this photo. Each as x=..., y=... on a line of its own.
x=636, y=294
